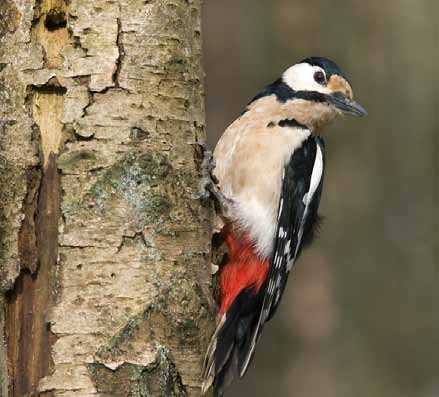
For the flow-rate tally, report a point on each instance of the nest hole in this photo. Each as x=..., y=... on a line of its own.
x=55, y=19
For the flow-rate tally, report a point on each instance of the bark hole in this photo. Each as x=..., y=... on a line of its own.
x=55, y=19
x=50, y=30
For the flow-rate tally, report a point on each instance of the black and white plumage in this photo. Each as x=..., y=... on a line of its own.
x=270, y=166
x=298, y=216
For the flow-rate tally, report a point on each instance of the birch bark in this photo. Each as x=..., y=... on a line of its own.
x=103, y=252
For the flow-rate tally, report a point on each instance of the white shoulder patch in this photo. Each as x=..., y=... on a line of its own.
x=316, y=176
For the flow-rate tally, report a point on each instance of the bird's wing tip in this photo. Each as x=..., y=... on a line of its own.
x=209, y=360
x=207, y=383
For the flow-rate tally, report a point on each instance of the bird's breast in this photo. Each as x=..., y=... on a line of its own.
x=249, y=163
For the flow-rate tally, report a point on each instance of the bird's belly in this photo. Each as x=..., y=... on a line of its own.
x=258, y=219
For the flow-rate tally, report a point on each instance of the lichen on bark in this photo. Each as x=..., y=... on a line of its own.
x=102, y=105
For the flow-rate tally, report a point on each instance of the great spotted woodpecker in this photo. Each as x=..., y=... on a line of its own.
x=269, y=167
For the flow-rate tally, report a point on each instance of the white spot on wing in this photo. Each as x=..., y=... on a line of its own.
x=276, y=261
x=287, y=247
x=279, y=279
x=271, y=287
x=280, y=207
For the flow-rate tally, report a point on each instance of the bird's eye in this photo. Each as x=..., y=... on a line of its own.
x=320, y=77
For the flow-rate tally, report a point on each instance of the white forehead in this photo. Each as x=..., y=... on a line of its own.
x=300, y=77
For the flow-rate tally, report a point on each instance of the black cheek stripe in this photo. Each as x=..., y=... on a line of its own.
x=292, y=123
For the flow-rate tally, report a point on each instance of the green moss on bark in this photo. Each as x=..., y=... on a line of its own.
x=158, y=379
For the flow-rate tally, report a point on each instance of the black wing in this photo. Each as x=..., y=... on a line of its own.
x=297, y=217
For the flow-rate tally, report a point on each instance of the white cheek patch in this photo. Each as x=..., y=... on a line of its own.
x=300, y=77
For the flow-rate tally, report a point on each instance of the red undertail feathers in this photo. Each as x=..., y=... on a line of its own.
x=241, y=296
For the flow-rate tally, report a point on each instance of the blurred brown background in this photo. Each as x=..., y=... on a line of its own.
x=360, y=316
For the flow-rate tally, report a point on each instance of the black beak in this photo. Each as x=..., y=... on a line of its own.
x=346, y=105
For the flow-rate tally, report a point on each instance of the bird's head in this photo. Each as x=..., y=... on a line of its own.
x=319, y=92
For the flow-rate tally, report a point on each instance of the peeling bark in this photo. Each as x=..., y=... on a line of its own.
x=103, y=252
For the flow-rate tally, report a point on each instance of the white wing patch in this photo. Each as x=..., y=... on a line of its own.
x=316, y=177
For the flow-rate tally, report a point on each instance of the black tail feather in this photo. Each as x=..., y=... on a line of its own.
x=234, y=339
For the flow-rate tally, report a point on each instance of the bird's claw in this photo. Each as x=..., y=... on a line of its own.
x=209, y=183
x=207, y=179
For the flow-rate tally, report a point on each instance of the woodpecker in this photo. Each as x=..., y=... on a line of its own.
x=268, y=179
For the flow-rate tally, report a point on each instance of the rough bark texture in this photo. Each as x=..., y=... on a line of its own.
x=103, y=252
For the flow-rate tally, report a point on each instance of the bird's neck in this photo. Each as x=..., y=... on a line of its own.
x=313, y=115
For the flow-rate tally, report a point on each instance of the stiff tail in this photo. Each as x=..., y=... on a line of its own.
x=242, y=292
x=227, y=352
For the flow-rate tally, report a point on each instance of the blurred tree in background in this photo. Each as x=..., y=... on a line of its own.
x=360, y=314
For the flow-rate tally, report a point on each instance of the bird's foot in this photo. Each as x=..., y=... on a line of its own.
x=209, y=184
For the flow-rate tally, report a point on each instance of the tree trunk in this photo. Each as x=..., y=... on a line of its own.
x=103, y=253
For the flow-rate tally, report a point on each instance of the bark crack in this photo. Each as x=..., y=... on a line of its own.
x=121, y=54
x=136, y=236
x=28, y=334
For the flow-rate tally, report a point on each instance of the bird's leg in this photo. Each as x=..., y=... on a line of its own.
x=209, y=184
x=207, y=180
